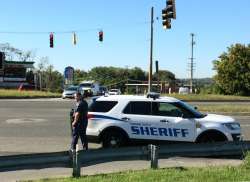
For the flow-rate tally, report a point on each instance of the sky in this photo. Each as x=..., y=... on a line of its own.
x=217, y=24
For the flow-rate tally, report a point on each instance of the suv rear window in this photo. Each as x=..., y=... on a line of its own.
x=138, y=107
x=102, y=106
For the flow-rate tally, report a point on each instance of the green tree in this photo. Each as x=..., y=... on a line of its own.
x=51, y=79
x=165, y=75
x=137, y=74
x=79, y=75
x=233, y=70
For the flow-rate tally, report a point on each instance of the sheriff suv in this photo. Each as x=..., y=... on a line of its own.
x=118, y=120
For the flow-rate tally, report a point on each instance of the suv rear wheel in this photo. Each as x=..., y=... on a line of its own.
x=113, y=139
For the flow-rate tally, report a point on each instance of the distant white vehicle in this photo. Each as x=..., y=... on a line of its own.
x=114, y=92
x=69, y=92
x=91, y=87
x=183, y=90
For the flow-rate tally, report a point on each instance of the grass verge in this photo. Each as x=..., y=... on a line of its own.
x=4, y=93
x=208, y=97
x=207, y=174
x=230, y=108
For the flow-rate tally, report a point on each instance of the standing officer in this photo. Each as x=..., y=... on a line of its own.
x=80, y=122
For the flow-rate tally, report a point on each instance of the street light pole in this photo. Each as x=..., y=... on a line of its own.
x=151, y=52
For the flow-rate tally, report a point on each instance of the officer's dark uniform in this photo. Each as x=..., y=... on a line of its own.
x=81, y=125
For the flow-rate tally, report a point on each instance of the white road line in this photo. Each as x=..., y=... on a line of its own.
x=25, y=120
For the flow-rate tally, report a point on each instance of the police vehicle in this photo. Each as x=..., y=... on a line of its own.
x=118, y=120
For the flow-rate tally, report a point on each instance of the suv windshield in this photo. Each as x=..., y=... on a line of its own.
x=191, y=109
x=72, y=88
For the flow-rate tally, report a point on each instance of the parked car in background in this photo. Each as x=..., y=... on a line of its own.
x=183, y=90
x=114, y=92
x=91, y=87
x=69, y=92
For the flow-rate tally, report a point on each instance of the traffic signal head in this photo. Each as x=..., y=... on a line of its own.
x=171, y=9
x=168, y=13
x=74, y=38
x=166, y=24
x=156, y=67
x=100, y=36
x=51, y=40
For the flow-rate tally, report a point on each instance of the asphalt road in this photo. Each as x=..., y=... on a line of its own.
x=42, y=125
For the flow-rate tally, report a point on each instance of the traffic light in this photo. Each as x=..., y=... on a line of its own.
x=51, y=40
x=168, y=13
x=156, y=67
x=74, y=39
x=100, y=36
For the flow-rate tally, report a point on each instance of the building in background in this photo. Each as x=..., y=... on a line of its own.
x=15, y=73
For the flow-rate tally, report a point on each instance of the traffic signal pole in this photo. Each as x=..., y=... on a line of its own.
x=151, y=51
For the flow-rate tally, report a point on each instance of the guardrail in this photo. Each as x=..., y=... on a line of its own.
x=95, y=156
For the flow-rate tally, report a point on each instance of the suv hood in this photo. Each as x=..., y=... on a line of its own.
x=217, y=118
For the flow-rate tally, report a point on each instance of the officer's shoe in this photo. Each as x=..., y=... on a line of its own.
x=85, y=148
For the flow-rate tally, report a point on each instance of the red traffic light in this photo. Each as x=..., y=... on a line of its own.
x=100, y=36
x=167, y=24
x=51, y=40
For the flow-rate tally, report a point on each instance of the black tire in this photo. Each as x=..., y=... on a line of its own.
x=113, y=139
x=212, y=137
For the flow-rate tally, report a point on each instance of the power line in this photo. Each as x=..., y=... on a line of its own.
x=48, y=32
x=75, y=30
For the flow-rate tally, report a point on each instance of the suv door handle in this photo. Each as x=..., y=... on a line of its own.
x=164, y=121
x=125, y=119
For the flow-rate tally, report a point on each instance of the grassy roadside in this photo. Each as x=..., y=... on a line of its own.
x=230, y=108
x=208, y=97
x=207, y=174
x=4, y=93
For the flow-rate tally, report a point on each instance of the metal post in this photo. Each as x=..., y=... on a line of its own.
x=35, y=80
x=40, y=81
x=151, y=51
x=153, y=156
x=76, y=164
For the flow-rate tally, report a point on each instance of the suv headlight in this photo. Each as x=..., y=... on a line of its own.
x=232, y=126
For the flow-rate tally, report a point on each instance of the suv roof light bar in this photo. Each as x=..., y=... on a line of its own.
x=153, y=95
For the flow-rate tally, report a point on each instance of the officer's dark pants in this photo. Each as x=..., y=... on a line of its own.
x=76, y=132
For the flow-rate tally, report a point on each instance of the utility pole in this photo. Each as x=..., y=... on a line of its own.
x=151, y=51
x=192, y=63
x=40, y=80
